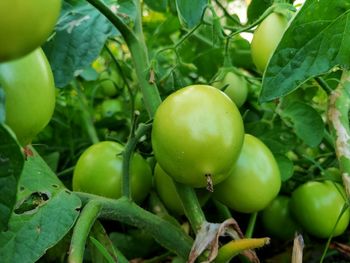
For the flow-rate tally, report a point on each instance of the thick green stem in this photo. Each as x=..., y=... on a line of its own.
x=81, y=231
x=138, y=50
x=124, y=210
x=192, y=208
x=338, y=110
x=127, y=156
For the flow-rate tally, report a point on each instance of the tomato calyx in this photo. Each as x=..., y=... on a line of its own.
x=210, y=185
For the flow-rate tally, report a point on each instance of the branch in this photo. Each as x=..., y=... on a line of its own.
x=338, y=109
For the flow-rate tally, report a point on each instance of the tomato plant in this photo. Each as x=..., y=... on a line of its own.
x=99, y=171
x=235, y=86
x=30, y=94
x=197, y=132
x=27, y=27
x=256, y=169
x=266, y=38
x=167, y=192
x=132, y=96
x=317, y=206
x=277, y=219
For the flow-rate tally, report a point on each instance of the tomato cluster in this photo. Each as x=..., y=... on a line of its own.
x=25, y=73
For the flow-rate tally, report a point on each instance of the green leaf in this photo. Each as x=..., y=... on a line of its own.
x=286, y=167
x=45, y=211
x=190, y=12
x=159, y=5
x=11, y=164
x=307, y=123
x=80, y=35
x=315, y=42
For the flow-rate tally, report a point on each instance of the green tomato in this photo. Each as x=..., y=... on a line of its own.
x=236, y=87
x=25, y=25
x=266, y=38
x=110, y=107
x=317, y=206
x=197, y=135
x=168, y=194
x=30, y=94
x=254, y=181
x=108, y=84
x=99, y=171
x=277, y=219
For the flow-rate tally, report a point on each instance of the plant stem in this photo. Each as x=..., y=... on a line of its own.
x=81, y=231
x=89, y=125
x=222, y=209
x=251, y=225
x=127, y=156
x=339, y=106
x=192, y=208
x=138, y=50
x=101, y=236
x=124, y=210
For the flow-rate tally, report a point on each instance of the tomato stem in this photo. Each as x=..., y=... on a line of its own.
x=81, y=231
x=339, y=106
x=190, y=203
x=127, y=156
x=124, y=210
x=251, y=225
x=99, y=233
x=138, y=49
x=86, y=116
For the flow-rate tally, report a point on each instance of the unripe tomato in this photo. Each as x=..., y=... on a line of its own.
x=30, y=94
x=317, y=206
x=237, y=87
x=168, y=194
x=197, y=133
x=25, y=25
x=266, y=38
x=277, y=219
x=110, y=82
x=111, y=107
x=99, y=171
x=253, y=182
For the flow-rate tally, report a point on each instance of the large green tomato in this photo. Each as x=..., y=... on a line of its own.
x=277, y=219
x=25, y=25
x=168, y=194
x=30, y=94
x=236, y=87
x=254, y=181
x=317, y=206
x=99, y=171
x=266, y=38
x=197, y=133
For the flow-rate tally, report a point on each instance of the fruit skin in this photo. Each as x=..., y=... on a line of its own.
x=110, y=107
x=99, y=171
x=253, y=182
x=30, y=94
x=25, y=25
x=237, y=88
x=266, y=38
x=277, y=219
x=197, y=131
x=168, y=194
x=316, y=207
